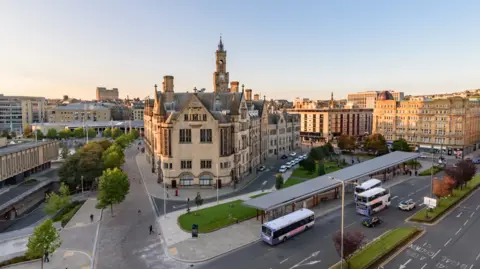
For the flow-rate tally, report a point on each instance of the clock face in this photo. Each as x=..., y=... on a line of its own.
x=220, y=62
x=222, y=77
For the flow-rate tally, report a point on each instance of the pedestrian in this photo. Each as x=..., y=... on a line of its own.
x=91, y=217
x=151, y=229
x=46, y=259
x=139, y=212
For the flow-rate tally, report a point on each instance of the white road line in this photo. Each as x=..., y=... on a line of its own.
x=424, y=244
x=436, y=253
x=350, y=224
x=471, y=215
x=179, y=206
x=394, y=197
x=421, y=204
x=478, y=206
x=284, y=260
x=447, y=242
x=423, y=266
x=471, y=266
x=465, y=222
x=458, y=216
x=478, y=256
x=410, y=194
x=458, y=231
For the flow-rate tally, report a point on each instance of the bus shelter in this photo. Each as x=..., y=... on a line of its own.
x=311, y=192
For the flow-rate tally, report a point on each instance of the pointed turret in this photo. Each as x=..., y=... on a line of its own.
x=220, y=45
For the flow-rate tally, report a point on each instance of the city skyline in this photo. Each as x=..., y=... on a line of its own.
x=282, y=51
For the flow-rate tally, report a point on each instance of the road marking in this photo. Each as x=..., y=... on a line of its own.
x=458, y=231
x=350, y=224
x=304, y=260
x=423, y=266
x=465, y=222
x=284, y=260
x=421, y=204
x=179, y=206
x=436, y=253
x=424, y=244
x=458, y=216
x=471, y=266
x=410, y=194
x=394, y=197
x=478, y=206
x=405, y=264
x=471, y=215
x=447, y=242
x=478, y=256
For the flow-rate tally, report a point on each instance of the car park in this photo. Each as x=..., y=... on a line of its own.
x=407, y=205
x=289, y=165
x=282, y=169
x=293, y=154
x=371, y=222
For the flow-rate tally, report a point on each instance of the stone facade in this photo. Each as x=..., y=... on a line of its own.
x=104, y=94
x=450, y=124
x=284, y=133
x=79, y=112
x=368, y=99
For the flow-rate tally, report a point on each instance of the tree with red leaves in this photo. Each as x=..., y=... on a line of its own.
x=462, y=172
x=352, y=241
x=440, y=189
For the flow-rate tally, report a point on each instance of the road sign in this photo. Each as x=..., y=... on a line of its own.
x=430, y=202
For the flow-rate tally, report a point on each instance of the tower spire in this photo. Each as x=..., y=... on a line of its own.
x=220, y=44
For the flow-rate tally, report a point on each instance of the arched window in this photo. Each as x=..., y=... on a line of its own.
x=206, y=180
x=186, y=180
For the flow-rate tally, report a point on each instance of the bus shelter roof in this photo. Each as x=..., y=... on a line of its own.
x=325, y=183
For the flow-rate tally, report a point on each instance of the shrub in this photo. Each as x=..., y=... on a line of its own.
x=17, y=259
x=69, y=215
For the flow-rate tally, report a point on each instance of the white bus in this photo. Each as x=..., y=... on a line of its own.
x=279, y=230
x=372, y=201
x=367, y=185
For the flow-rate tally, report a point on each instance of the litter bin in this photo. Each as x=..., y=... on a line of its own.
x=194, y=230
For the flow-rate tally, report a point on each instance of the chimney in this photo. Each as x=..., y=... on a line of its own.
x=256, y=97
x=234, y=86
x=249, y=94
x=168, y=84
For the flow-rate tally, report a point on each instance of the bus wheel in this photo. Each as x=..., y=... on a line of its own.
x=284, y=239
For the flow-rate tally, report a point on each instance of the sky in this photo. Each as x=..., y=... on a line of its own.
x=281, y=49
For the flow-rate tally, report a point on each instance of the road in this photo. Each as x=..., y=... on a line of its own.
x=452, y=243
x=314, y=248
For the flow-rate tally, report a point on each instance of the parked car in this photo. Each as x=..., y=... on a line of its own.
x=371, y=222
x=293, y=154
x=284, y=157
x=261, y=168
x=407, y=205
x=282, y=169
x=476, y=161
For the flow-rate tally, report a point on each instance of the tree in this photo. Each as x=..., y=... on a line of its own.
x=107, y=132
x=65, y=152
x=64, y=134
x=39, y=134
x=116, y=133
x=113, y=157
x=56, y=201
x=135, y=133
x=198, y=200
x=279, y=181
x=440, y=189
x=45, y=238
x=91, y=132
x=401, y=145
x=308, y=164
x=113, y=188
x=13, y=134
x=317, y=153
x=123, y=141
x=377, y=143
x=27, y=131
x=6, y=134
x=105, y=143
x=346, y=142
x=79, y=132
x=321, y=168
x=467, y=170
x=51, y=133
x=352, y=241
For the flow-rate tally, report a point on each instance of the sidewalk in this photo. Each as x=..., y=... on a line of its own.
x=183, y=247
x=78, y=242
x=156, y=190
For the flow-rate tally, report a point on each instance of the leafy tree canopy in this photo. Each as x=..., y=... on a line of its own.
x=113, y=188
x=52, y=133
x=401, y=145
x=79, y=132
x=376, y=142
x=91, y=132
x=45, y=237
x=107, y=132
x=55, y=201
x=352, y=241
x=64, y=134
x=116, y=133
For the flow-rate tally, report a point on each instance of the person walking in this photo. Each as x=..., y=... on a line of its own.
x=46, y=259
x=91, y=217
x=151, y=229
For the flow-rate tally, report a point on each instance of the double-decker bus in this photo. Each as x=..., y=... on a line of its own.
x=279, y=230
x=367, y=185
x=372, y=201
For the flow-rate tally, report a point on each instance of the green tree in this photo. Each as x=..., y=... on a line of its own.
x=308, y=164
x=105, y=143
x=56, y=201
x=123, y=141
x=45, y=238
x=135, y=133
x=40, y=134
x=64, y=134
x=27, y=131
x=279, y=181
x=317, y=153
x=321, y=168
x=52, y=133
x=113, y=157
x=377, y=143
x=65, y=152
x=79, y=132
x=6, y=134
x=92, y=133
x=401, y=145
x=116, y=133
x=113, y=188
x=107, y=132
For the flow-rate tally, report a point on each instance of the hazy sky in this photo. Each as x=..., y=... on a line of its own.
x=282, y=49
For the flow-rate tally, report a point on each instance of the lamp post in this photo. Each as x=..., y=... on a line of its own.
x=342, y=221
x=218, y=177
x=81, y=182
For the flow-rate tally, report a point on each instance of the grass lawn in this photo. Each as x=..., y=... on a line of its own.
x=379, y=248
x=428, y=172
x=213, y=218
x=258, y=195
x=302, y=173
x=446, y=203
x=291, y=182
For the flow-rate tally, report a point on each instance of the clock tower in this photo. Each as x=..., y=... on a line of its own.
x=220, y=77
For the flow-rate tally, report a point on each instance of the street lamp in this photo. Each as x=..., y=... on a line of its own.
x=342, y=221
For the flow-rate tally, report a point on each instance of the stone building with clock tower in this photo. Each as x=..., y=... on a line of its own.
x=221, y=76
